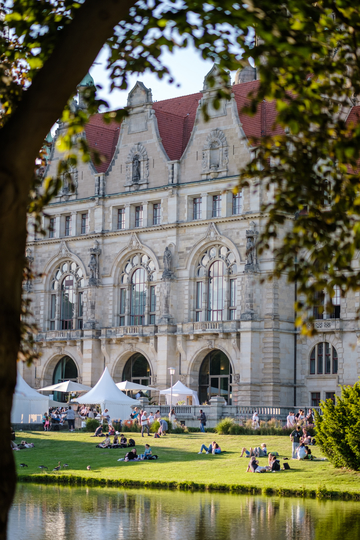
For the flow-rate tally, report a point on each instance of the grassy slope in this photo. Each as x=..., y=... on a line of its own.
x=179, y=462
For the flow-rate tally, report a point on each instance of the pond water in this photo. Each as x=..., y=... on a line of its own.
x=55, y=513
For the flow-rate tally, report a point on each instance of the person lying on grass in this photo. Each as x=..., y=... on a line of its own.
x=213, y=448
x=254, y=466
x=258, y=451
x=106, y=443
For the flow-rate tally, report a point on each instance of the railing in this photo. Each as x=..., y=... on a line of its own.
x=59, y=335
x=208, y=326
x=239, y=412
x=137, y=330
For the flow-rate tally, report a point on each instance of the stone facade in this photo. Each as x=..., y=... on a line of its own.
x=162, y=204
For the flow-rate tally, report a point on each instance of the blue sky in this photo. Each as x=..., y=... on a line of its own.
x=186, y=66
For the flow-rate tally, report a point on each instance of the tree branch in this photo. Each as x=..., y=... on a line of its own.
x=78, y=45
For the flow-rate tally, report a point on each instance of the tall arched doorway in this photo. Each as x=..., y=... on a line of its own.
x=137, y=370
x=215, y=377
x=65, y=370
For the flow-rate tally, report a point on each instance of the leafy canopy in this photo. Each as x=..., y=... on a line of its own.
x=308, y=61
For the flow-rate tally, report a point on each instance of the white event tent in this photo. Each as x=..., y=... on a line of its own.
x=181, y=393
x=28, y=405
x=106, y=394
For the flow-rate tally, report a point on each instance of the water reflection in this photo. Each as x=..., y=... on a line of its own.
x=55, y=513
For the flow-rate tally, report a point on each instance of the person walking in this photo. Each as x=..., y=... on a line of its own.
x=70, y=417
x=202, y=419
x=295, y=437
x=144, y=424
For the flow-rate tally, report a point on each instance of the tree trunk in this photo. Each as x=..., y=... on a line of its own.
x=20, y=141
x=12, y=245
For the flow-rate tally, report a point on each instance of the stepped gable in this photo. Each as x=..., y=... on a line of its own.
x=262, y=122
x=102, y=137
x=176, y=119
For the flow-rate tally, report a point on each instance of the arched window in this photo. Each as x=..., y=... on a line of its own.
x=65, y=370
x=216, y=291
x=323, y=360
x=66, y=297
x=138, y=297
x=215, y=377
x=215, y=294
x=137, y=302
x=137, y=370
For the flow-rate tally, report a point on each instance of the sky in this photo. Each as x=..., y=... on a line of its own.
x=186, y=66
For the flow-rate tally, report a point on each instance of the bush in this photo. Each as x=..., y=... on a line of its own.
x=154, y=428
x=338, y=428
x=223, y=427
x=91, y=424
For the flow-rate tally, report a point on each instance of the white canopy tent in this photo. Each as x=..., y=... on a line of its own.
x=128, y=385
x=180, y=392
x=66, y=387
x=106, y=394
x=28, y=405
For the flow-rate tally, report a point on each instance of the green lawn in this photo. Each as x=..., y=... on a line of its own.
x=179, y=463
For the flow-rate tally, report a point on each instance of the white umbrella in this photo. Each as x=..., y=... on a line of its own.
x=128, y=385
x=66, y=386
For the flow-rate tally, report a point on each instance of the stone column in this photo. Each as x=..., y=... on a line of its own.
x=127, y=304
x=216, y=407
x=75, y=312
x=57, y=310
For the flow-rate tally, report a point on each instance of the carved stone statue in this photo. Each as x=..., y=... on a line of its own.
x=92, y=266
x=249, y=250
x=167, y=274
x=251, y=264
x=136, y=169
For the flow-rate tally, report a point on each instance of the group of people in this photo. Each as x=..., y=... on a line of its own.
x=58, y=416
x=121, y=442
x=300, y=418
x=301, y=440
x=133, y=456
x=272, y=466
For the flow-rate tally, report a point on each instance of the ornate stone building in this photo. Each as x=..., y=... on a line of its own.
x=151, y=263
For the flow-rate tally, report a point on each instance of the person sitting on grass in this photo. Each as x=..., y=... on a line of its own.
x=213, y=448
x=106, y=443
x=98, y=432
x=147, y=452
x=132, y=456
x=301, y=452
x=123, y=441
x=111, y=430
x=273, y=463
x=115, y=443
x=254, y=466
x=306, y=438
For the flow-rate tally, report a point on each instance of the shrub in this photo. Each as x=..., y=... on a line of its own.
x=223, y=427
x=338, y=428
x=91, y=424
x=154, y=428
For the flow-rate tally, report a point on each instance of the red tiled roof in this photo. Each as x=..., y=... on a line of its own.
x=176, y=119
x=354, y=116
x=262, y=122
x=103, y=138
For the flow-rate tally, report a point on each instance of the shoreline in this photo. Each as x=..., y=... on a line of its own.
x=79, y=481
